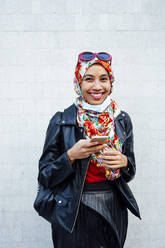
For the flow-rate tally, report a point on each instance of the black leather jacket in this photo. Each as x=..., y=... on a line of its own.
x=55, y=170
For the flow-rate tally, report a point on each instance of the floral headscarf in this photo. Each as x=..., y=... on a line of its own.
x=82, y=67
x=95, y=122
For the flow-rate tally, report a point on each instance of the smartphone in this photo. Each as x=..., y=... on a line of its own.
x=100, y=139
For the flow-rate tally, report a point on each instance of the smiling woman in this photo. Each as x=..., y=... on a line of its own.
x=89, y=178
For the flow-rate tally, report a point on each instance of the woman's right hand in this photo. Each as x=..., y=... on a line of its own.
x=83, y=149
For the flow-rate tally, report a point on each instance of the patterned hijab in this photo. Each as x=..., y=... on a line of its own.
x=82, y=67
x=97, y=119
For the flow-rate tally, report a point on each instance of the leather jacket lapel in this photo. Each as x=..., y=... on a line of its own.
x=119, y=128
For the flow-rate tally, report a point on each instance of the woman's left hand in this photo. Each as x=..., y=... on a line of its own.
x=114, y=159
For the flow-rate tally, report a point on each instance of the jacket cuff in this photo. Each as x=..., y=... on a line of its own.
x=67, y=162
x=127, y=172
x=71, y=166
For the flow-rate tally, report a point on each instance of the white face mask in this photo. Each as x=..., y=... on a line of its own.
x=97, y=108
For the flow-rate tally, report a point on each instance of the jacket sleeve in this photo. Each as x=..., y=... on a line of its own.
x=54, y=166
x=129, y=173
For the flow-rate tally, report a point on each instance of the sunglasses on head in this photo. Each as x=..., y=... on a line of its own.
x=87, y=56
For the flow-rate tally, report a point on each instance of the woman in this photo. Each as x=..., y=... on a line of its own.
x=90, y=177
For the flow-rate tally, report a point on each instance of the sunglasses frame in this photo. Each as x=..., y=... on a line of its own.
x=94, y=56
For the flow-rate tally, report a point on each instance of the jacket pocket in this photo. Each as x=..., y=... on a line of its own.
x=45, y=202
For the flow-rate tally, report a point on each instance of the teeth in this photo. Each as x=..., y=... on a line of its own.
x=98, y=95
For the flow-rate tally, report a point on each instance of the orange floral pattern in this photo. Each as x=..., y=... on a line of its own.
x=105, y=120
x=102, y=124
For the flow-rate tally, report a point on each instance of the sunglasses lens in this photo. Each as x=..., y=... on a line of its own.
x=104, y=56
x=87, y=56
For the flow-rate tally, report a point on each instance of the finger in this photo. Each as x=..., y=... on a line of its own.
x=87, y=155
x=96, y=148
x=91, y=144
x=109, y=162
x=87, y=144
x=111, y=152
x=110, y=157
x=112, y=166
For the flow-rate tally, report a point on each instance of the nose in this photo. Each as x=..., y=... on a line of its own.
x=97, y=85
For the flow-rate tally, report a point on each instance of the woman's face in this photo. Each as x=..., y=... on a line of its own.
x=95, y=86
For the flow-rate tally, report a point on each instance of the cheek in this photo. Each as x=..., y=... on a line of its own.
x=84, y=88
x=108, y=88
x=83, y=91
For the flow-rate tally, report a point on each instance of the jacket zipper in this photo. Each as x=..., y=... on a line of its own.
x=80, y=197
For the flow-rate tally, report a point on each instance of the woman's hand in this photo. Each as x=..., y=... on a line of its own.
x=83, y=149
x=114, y=159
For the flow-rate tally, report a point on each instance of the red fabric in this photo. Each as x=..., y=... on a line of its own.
x=94, y=174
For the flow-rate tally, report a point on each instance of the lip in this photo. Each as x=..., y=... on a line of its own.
x=97, y=95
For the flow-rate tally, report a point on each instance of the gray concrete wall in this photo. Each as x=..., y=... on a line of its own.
x=39, y=43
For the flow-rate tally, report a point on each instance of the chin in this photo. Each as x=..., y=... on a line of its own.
x=96, y=102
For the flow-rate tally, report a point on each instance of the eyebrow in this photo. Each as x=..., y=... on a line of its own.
x=87, y=75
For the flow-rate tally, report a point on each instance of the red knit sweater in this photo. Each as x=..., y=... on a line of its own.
x=94, y=174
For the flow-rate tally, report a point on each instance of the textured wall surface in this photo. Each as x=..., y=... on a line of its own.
x=39, y=43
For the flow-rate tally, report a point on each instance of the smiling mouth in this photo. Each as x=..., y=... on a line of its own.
x=97, y=96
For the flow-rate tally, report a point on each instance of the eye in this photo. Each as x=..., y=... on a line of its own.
x=104, y=79
x=88, y=79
